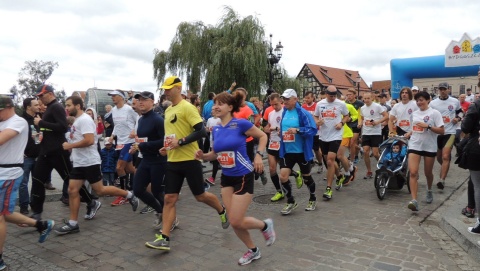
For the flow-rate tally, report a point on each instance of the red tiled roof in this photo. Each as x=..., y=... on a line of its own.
x=341, y=78
x=379, y=85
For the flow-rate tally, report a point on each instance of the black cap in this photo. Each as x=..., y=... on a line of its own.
x=145, y=94
x=443, y=85
x=44, y=89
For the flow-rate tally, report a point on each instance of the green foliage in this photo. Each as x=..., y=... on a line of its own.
x=233, y=50
x=281, y=84
x=30, y=77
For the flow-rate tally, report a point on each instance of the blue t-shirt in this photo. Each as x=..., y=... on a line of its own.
x=290, y=120
x=230, y=146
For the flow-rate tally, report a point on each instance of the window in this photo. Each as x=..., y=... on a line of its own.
x=462, y=89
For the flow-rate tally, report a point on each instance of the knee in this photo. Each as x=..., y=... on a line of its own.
x=272, y=169
x=202, y=197
x=330, y=163
x=170, y=199
x=446, y=158
x=72, y=191
x=236, y=223
x=414, y=174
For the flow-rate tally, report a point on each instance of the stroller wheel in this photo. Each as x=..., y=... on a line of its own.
x=381, y=182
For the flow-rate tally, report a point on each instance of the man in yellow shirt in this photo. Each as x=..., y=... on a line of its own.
x=183, y=127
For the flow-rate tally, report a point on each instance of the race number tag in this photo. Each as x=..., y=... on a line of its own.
x=288, y=137
x=226, y=159
x=404, y=123
x=167, y=141
x=141, y=139
x=446, y=119
x=418, y=129
x=329, y=114
x=274, y=145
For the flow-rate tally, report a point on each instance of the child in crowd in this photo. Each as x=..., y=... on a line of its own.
x=394, y=159
x=211, y=122
x=109, y=162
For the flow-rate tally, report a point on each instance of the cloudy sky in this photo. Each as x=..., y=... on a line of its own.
x=110, y=43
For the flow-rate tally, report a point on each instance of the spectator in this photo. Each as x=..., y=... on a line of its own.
x=109, y=162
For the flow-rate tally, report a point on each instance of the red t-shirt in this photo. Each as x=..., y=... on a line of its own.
x=245, y=113
x=267, y=112
x=465, y=106
x=310, y=108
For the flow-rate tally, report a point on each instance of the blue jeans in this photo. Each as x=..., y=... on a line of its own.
x=108, y=178
x=28, y=166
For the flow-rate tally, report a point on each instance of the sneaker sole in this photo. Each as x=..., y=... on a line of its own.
x=286, y=213
x=64, y=233
x=412, y=207
x=44, y=236
x=95, y=213
x=327, y=197
x=275, y=200
x=209, y=182
x=155, y=247
x=440, y=185
x=470, y=231
x=253, y=259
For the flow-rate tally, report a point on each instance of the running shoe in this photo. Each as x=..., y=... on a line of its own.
x=159, y=243
x=210, y=180
x=269, y=233
x=263, y=178
x=174, y=225
x=206, y=186
x=157, y=223
x=92, y=210
x=368, y=176
x=119, y=201
x=429, y=198
x=289, y=207
x=475, y=229
x=278, y=196
x=147, y=209
x=468, y=212
x=328, y=193
x=413, y=205
x=224, y=219
x=47, y=227
x=299, y=180
x=351, y=178
x=67, y=228
x=355, y=161
x=134, y=202
x=441, y=185
x=320, y=169
x=249, y=256
x=312, y=204
x=339, y=182
x=3, y=266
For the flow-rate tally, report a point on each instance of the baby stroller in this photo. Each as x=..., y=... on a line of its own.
x=392, y=172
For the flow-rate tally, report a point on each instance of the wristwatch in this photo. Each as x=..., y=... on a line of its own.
x=429, y=127
x=298, y=131
x=260, y=153
x=181, y=141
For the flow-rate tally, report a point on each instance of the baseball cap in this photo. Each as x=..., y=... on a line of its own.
x=415, y=88
x=443, y=85
x=44, y=89
x=289, y=93
x=184, y=92
x=171, y=82
x=117, y=92
x=145, y=94
x=107, y=141
x=5, y=102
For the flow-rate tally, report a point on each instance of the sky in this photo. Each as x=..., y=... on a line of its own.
x=110, y=43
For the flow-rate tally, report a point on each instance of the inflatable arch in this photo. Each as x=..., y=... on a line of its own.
x=404, y=70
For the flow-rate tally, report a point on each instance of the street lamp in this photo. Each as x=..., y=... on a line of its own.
x=273, y=56
x=359, y=79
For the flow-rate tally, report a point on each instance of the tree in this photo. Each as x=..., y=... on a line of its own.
x=233, y=50
x=31, y=76
x=286, y=81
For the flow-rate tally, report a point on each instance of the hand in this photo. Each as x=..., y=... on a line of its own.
x=408, y=135
x=455, y=120
x=320, y=122
x=422, y=124
x=359, y=126
x=199, y=155
x=266, y=129
x=258, y=163
x=392, y=134
x=233, y=84
x=292, y=130
x=338, y=126
x=36, y=120
x=66, y=146
x=163, y=151
x=132, y=134
x=133, y=148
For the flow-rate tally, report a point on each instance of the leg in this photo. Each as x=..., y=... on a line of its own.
x=28, y=166
x=428, y=169
x=330, y=157
x=376, y=153
x=41, y=173
x=446, y=157
x=169, y=213
x=413, y=164
x=74, y=198
x=366, y=157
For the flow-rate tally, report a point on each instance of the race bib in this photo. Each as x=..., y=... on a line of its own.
x=446, y=119
x=418, y=129
x=167, y=141
x=226, y=159
x=288, y=137
x=329, y=114
x=368, y=123
x=141, y=139
x=274, y=145
x=404, y=123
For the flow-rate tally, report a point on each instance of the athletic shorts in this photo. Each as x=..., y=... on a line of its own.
x=176, y=172
x=124, y=155
x=273, y=153
x=345, y=142
x=330, y=146
x=445, y=141
x=241, y=184
x=400, y=131
x=92, y=174
x=316, y=143
x=423, y=153
x=356, y=130
x=371, y=140
x=290, y=159
x=9, y=194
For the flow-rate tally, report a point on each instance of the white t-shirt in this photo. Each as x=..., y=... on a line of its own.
x=332, y=113
x=124, y=120
x=86, y=156
x=403, y=113
x=275, y=119
x=423, y=139
x=470, y=98
x=368, y=113
x=448, y=110
x=11, y=152
x=211, y=122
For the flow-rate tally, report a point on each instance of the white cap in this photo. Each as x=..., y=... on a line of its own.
x=116, y=92
x=289, y=93
x=415, y=88
x=107, y=141
x=184, y=92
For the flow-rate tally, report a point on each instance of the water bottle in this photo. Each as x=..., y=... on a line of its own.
x=34, y=133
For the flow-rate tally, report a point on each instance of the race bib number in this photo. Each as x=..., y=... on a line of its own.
x=274, y=145
x=288, y=137
x=119, y=147
x=404, y=123
x=446, y=119
x=329, y=114
x=141, y=139
x=226, y=159
x=167, y=141
x=418, y=129
x=368, y=123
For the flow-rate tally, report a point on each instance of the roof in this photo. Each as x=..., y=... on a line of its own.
x=341, y=78
x=379, y=85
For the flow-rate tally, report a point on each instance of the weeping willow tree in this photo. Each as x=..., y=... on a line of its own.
x=233, y=50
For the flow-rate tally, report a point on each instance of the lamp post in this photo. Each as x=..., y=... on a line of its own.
x=359, y=79
x=274, y=56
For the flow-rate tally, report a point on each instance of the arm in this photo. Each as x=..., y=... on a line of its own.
x=310, y=128
x=88, y=140
x=60, y=120
x=155, y=144
x=385, y=117
x=262, y=144
x=199, y=132
x=6, y=135
x=391, y=125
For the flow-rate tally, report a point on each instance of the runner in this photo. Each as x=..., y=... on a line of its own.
x=399, y=120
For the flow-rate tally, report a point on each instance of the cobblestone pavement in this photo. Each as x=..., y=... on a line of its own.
x=353, y=231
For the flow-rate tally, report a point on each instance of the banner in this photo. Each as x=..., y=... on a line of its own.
x=465, y=52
